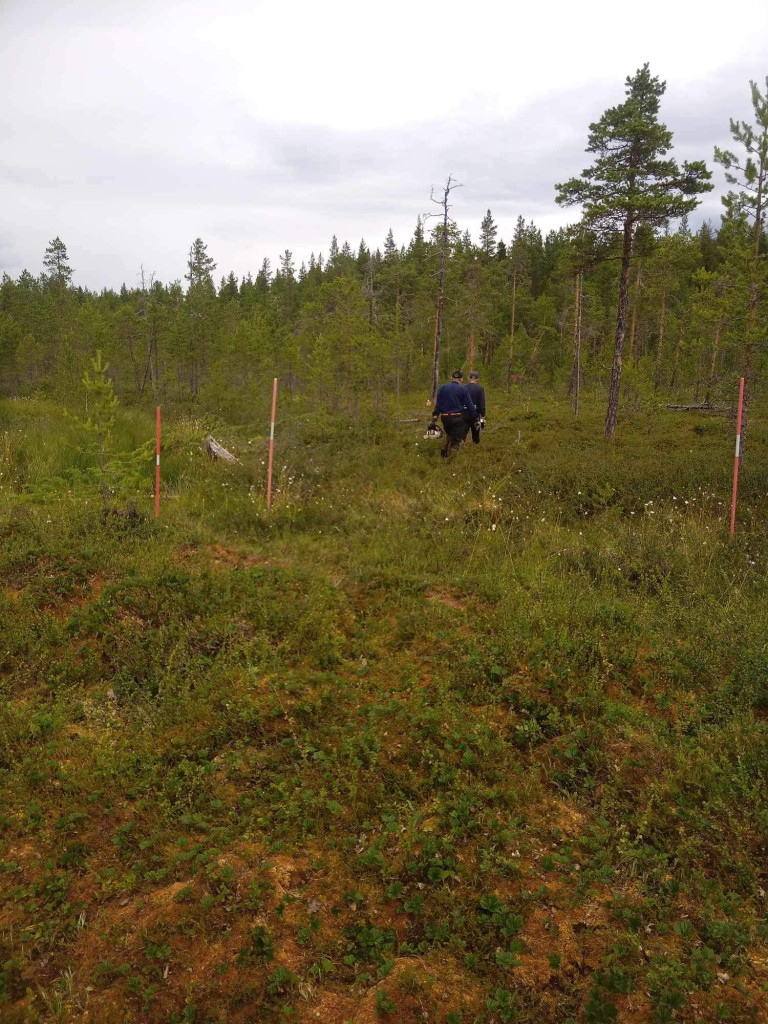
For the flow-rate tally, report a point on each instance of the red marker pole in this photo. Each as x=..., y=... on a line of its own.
x=157, y=468
x=271, y=444
x=737, y=456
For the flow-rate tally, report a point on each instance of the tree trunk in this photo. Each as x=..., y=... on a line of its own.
x=440, y=294
x=753, y=300
x=713, y=362
x=660, y=347
x=408, y=354
x=678, y=346
x=512, y=330
x=535, y=349
x=634, y=311
x=621, y=326
x=749, y=367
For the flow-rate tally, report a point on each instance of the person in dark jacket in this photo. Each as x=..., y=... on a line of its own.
x=452, y=404
x=477, y=394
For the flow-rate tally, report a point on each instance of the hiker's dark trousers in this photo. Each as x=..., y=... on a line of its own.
x=454, y=431
x=469, y=424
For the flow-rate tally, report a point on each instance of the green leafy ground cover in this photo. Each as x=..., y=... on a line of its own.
x=483, y=741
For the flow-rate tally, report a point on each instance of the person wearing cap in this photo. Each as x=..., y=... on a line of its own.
x=452, y=404
x=477, y=394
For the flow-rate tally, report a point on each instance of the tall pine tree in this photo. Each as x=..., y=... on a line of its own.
x=631, y=183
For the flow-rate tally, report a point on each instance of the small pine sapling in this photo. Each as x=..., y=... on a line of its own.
x=101, y=405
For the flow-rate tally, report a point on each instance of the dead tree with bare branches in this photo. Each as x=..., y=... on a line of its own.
x=450, y=185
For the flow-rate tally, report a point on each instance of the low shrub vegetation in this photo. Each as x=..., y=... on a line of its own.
x=477, y=741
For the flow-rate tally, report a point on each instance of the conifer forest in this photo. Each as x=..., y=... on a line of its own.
x=358, y=323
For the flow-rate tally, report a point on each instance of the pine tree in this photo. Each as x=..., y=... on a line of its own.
x=750, y=199
x=631, y=184
x=749, y=202
x=56, y=263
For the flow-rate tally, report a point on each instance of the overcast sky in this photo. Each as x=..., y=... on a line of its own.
x=129, y=129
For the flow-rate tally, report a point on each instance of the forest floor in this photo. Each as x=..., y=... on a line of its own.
x=483, y=740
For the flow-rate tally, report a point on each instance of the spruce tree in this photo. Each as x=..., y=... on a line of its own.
x=631, y=183
x=286, y=265
x=519, y=272
x=708, y=246
x=263, y=278
x=200, y=265
x=390, y=249
x=488, y=232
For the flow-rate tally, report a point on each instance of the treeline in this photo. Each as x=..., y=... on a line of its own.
x=360, y=324
x=351, y=329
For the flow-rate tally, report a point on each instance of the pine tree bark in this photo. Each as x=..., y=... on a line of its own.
x=612, y=414
x=634, y=311
x=678, y=346
x=660, y=346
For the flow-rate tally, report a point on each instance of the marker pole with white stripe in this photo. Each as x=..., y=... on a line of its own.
x=737, y=457
x=271, y=444
x=157, y=468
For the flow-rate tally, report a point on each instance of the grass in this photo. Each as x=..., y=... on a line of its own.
x=483, y=741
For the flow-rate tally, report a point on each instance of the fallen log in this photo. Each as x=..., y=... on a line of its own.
x=699, y=408
x=215, y=451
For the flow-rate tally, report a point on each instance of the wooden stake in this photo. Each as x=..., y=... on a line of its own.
x=271, y=444
x=736, y=458
x=157, y=468
x=575, y=383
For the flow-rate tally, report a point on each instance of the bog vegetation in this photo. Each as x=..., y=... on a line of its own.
x=477, y=741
